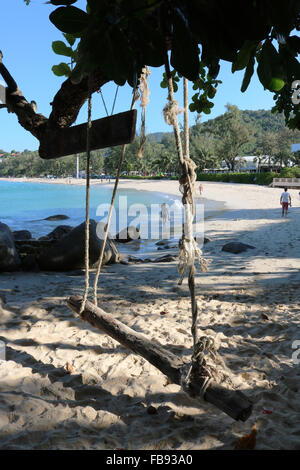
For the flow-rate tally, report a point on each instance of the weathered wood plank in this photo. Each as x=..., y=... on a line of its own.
x=232, y=402
x=113, y=130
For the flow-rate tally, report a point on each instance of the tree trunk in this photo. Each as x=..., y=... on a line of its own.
x=232, y=402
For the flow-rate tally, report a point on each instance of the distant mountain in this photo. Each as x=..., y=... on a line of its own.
x=263, y=121
x=259, y=121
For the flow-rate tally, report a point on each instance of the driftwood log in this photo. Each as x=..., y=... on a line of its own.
x=232, y=402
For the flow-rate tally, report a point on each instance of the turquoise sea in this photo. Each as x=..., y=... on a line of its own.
x=24, y=205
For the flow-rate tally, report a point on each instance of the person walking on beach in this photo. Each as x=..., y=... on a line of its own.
x=164, y=213
x=285, y=201
x=200, y=189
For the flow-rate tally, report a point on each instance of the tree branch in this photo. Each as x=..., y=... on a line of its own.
x=65, y=106
x=16, y=103
x=69, y=99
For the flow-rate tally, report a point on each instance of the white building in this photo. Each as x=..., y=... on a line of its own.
x=247, y=164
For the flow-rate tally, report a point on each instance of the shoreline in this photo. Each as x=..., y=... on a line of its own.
x=216, y=191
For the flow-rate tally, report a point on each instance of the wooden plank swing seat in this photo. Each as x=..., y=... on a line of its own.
x=118, y=129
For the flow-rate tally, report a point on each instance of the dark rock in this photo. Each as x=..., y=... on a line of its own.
x=29, y=263
x=32, y=248
x=57, y=217
x=57, y=233
x=134, y=259
x=162, y=242
x=237, y=247
x=128, y=234
x=22, y=235
x=9, y=258
x=164, y=259
x=68, y=253
x=167, y=247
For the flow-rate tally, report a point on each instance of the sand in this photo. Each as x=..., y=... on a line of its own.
x=247, y=302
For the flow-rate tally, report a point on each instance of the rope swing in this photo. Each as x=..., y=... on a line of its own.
x=205, y=375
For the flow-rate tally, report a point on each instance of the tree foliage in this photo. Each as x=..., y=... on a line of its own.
x=125, y=35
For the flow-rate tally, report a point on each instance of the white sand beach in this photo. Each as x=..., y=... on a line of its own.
x=248, y=302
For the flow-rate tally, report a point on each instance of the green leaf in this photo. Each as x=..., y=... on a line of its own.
x=265, y=63
x=270, y=71
x=69, y=20
x=185, y=53
x=163, y=84
x=243, y=56
x=276, y=84
x=248, y=74
x=60, y=48
x=61, y=70
x=71, y=39
x=211, y=92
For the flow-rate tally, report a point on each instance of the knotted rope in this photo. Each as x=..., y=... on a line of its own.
x=144, y=97
x=200, y=372
x=87, y=201
x=188, y=248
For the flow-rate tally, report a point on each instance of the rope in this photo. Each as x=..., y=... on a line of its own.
x=103, y=101
x=134, y=99
x=187, y=245
x=115, y=99
x=200, y=374
x=87, y=200
x=144, y=97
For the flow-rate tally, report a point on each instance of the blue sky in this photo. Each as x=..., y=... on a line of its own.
x=26, y=38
